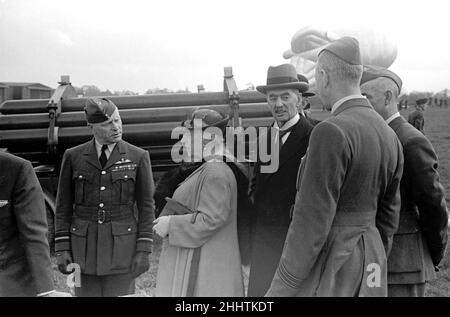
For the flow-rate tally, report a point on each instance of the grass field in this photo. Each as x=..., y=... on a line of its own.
x=437, y=129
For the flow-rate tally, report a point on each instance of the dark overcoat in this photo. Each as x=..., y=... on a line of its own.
x=95, y=207
x=420, y=241
x=273, y=195
x=25, y=268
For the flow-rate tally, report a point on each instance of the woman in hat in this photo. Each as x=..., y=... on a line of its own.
x=200, y=252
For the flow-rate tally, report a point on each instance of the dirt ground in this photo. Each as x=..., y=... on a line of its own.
x=437, y=129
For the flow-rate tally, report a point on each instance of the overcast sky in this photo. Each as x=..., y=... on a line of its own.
x=138, y=45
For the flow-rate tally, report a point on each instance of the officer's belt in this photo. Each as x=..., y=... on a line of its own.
x=343, y=218
x=104, y=215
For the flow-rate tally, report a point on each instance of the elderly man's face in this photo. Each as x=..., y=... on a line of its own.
x=110, y=131
x=283, y=104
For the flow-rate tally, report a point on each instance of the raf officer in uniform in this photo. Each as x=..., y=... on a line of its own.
x=96, y=227
x=421, y=239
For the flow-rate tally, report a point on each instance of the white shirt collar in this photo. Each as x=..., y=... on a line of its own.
x=98, y=146
x=391, y=118
x=338, y=103
x=292, y=121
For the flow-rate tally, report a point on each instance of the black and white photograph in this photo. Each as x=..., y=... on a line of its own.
x=224, y=149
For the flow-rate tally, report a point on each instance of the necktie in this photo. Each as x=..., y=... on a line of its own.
x=281, y=133
x=103, y=158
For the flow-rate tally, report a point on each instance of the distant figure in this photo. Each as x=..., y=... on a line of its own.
x=421, y=239
x=416, y=118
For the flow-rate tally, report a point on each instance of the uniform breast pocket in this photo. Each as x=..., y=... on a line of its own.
x=123, y=186
x=81, y=182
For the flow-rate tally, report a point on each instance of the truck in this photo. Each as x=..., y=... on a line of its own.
x=40, y=130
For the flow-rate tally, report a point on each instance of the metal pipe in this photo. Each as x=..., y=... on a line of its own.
x=133, y=102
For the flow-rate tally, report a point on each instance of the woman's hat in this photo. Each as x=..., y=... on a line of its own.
x=208, y=117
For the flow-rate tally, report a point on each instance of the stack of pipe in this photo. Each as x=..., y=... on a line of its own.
x=147, y=121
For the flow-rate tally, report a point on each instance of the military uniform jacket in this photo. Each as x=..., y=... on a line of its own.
x=25, y=268
x=346, y=209
x=95, y=214
x=422, y=234
x=274, y=195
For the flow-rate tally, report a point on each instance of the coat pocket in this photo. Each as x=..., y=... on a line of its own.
x=406, y=253
x=124, y=244
x=80, y=181
x=123, y=186
x=78, y=233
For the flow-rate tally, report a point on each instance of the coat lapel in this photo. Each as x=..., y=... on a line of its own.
x=294, y=142
x=91, y=154
x=397, y=123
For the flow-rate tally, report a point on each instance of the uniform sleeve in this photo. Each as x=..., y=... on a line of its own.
x=389, y=204
x=214, y=210
x=64, y=205
x=144, y=191
x=315, y=208
x=428, y=194
x=31, y=217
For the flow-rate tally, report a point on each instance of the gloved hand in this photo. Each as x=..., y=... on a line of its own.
x=161, y=226
x=141, y=263
x=63, y=259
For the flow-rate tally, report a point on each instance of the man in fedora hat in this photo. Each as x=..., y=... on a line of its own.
x=421, y=239
x=305, y=108
x=100, y=183
x=273, y=194
x=348, y=200
x=416, y=118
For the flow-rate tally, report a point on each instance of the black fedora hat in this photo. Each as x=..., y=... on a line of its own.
x=307, y=93
x=282, y=76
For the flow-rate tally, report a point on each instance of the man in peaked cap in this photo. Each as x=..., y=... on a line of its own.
x=418, y=246
x=416, y=118
x=100, y=183
x=273, y=193
x=348, y=200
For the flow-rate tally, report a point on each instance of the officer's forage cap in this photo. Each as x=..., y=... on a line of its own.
x=346, y=48
x=99, y=110
x=208, y=118
x=372, y=72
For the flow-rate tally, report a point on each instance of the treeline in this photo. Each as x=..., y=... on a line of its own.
x=92, y=90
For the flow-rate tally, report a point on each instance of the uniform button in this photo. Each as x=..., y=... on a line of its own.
x=129, y=229
x=102, y=188
x=81, y=176
x=126, y=176
x=103, y=172
x=74, y=229
x=101, y=204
